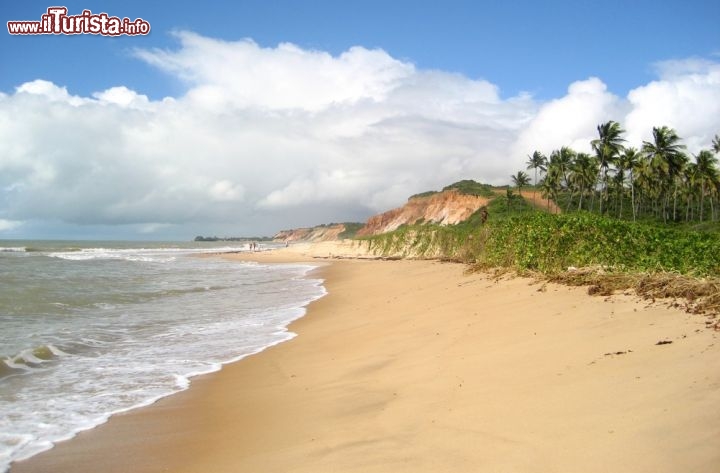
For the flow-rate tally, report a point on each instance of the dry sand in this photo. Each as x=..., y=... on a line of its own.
x=413, y=366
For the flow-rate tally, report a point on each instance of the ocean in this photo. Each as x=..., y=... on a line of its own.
x=89, y=329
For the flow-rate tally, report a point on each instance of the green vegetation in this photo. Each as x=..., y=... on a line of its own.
x=351, y=229
x=520, y=180
x=466, y=187
x=423, y=194
x=624, y=209
x=550, y=244
x=424, y=241
x=509, y=204
x=658, y=182
x=470, y=187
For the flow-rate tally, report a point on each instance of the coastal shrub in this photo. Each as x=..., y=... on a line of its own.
x=502, y=206
x=351, y=229
x=470, y=187
x=466, y=186
x=423, y=194
x=547, y=243
x=552, y=243
x=421, y=241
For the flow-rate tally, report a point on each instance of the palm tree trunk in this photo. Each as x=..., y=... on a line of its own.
x=599, y=179
x=569, y=203
x=582, y=192
x=632, y=194
x=712, y=210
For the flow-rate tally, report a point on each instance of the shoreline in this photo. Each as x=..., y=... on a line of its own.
x=415, y=366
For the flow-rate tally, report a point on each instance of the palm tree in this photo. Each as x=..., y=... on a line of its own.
x=645, y=180
x=562, y=160
x=628, y=161
x=583, y=174
x=546, y=190
x=607, y=147
x=690, y=180
x=706, y=173
x=666, y=155
x=536, y=161
x=550, y=185
x=651, y=176
x=520, y=180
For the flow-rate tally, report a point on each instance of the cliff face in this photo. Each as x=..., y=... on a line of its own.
x=445, y=208
x=314, y=234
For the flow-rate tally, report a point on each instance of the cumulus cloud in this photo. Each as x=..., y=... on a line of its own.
x=570, y=120
x=246, y=75
x=123, y=97
x=265, y=138
x=685, y=97
x=49, y=91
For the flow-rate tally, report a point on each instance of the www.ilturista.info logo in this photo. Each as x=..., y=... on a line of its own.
x=57, y=21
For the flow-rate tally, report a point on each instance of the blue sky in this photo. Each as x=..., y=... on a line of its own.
x=533, y=46
x=424, y=92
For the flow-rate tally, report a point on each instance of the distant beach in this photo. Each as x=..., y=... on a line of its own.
x=417, y=366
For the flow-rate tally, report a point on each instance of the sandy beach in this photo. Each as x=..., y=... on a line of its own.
x=416, y=366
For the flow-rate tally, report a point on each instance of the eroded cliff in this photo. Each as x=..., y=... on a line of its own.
x=445, y=208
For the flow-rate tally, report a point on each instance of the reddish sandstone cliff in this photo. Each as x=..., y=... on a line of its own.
x=445, y=208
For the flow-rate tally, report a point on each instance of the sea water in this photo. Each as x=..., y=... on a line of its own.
x=91, y=329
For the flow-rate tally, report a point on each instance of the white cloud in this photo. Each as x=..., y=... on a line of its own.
x=49, y=91
x=276, y=137
x=686, y=97
x=123, y=97
x=243, y=74
x=570, y=120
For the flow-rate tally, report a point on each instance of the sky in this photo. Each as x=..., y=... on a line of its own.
x=244, y=118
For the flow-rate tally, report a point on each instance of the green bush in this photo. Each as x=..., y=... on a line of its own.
x=351, y=228
x=470, y=187
x=552, y=243
x=423, y=194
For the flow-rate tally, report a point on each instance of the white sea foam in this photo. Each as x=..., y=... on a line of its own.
x=151, y=255
x=142, y=255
